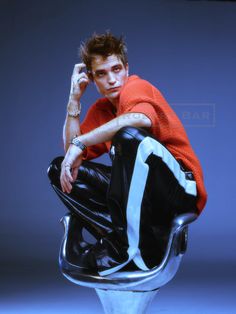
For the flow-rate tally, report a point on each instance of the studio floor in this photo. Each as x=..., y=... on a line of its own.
x=40, y=288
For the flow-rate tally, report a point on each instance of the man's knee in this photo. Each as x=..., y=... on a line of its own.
x=129, y=137
x=130, y=133
x=54, y=169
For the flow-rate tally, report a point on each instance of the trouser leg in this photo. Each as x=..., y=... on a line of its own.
x=87, y=200
x=147, y=189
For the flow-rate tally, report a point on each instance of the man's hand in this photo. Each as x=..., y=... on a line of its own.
x=70, y=167
x=79, y=82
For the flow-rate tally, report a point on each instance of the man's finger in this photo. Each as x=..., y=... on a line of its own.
x=78, y=67
x=65, y=178
x=75, y=173
x=62, y=180
x=62, y=184
x=83, y=80
x=82, y=77
x=68, y=174
x=66, y=184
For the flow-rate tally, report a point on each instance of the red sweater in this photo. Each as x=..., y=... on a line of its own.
x=138, y=95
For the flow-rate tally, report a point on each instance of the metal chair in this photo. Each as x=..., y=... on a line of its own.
x=132, y=290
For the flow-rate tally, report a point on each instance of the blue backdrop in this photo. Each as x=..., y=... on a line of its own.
x=186, y=49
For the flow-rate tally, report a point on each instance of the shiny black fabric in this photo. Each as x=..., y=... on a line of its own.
x=87, y=199
x=99, y=199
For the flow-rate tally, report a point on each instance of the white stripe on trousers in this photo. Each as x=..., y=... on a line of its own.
x=136, y=191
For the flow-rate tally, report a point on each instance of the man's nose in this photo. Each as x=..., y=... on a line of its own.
x=111, y=78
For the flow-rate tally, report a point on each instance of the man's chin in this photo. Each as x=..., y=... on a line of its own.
x=113, y=95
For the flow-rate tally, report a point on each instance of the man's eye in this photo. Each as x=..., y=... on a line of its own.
x=100, y=74
x=117, y=69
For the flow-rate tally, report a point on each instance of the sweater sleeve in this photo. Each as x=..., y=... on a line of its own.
x=138, y=97
x=148, y=110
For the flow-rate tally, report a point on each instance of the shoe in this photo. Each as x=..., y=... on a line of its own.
x=110, y=253
x=102, y=258
x=76, y=245
x=106, y=256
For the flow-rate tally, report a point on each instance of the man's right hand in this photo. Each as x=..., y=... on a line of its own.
x=79, y=82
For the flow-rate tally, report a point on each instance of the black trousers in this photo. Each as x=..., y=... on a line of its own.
x=131, y=204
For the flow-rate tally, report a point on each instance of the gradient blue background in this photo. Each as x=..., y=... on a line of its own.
x=185, y=48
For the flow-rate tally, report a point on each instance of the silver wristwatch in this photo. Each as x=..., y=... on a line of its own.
x=75, y=141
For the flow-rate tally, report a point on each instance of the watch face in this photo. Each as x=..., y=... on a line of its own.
x=75, y=142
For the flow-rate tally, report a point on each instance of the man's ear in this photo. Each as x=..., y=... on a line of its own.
x=127, y=68
x=90, y=76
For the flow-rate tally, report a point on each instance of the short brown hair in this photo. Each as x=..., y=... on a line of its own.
x=103, y=45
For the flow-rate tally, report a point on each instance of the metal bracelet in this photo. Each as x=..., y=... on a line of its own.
x=74, y=113
x=75, y=141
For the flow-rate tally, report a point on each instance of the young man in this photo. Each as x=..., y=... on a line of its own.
x=154, y=176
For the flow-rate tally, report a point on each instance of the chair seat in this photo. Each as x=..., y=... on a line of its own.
x=137, y=280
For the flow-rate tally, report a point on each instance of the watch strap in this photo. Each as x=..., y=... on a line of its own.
x=75, y=141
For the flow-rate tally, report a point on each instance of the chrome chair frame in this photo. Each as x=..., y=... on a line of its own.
x=137, y=287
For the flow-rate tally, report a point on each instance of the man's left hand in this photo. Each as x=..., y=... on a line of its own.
x=69, y=167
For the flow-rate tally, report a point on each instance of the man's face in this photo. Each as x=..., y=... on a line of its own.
x=109, y=76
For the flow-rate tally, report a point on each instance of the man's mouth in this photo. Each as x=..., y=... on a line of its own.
x=113, y=88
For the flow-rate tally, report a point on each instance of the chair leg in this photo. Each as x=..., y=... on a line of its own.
x=123, y=302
